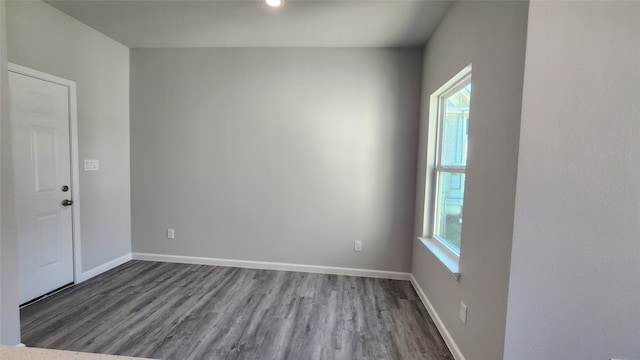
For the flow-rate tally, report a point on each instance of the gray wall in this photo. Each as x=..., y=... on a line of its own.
x=9, y=315
x=281, y=155
x=575, y=274
x=46, y=39
x=491, y=36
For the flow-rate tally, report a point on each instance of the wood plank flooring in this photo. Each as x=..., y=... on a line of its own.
x=180, y=311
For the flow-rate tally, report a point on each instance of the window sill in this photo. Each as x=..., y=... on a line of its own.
x=445, y=256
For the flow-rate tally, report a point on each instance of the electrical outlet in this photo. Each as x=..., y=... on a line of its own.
x=357, y=245
x=171, y=234
x=463, y=313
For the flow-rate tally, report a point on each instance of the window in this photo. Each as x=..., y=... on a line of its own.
x=452, y=105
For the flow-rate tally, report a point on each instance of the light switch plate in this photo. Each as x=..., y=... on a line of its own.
x=91, y=165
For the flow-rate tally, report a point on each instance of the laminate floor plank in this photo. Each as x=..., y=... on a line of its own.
x=194, y=312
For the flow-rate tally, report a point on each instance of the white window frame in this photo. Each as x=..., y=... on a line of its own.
x=441, y=249
x=439, y=168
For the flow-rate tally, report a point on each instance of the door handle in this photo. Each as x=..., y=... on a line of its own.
x=67, y=202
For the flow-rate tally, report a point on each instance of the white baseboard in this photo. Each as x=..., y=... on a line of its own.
x=451, y=344
x=102, y=268
x=21, y=345
x=265, y=265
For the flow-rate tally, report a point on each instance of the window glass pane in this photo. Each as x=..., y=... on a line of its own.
x=455, y=127
x=449, y=198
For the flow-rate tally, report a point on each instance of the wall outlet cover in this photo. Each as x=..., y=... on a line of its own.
x=357, y=245
x=463, y=313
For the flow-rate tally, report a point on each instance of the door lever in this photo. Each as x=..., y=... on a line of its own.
x=67, y=202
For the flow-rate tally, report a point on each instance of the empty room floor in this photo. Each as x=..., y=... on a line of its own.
x=180, y=311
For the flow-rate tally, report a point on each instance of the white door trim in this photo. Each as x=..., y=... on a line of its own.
x=75, y=164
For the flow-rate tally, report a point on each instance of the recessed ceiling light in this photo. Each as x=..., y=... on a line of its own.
x=274, y=3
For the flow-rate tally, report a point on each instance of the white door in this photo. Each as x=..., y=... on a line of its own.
x=42, y=173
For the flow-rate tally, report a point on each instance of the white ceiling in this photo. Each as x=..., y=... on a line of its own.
x=251, y=23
